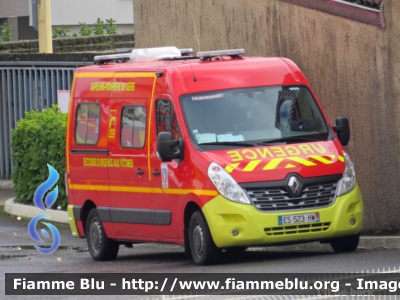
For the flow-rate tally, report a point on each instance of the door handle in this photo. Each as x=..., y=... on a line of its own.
x=156, y=172
x=139, y=172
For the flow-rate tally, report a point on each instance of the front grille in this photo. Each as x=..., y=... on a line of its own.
x=297, y=229
x=279, y=199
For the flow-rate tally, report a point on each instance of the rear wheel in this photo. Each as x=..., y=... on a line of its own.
x=202, y=246
x=101, y=248
x=346, y=243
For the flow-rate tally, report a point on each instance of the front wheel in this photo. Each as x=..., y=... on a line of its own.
x=346, y=243
x=101, y=248
x=202, y=246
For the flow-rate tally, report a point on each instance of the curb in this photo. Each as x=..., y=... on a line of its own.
x=366, y=242
x=28, y=211
x=6, y=185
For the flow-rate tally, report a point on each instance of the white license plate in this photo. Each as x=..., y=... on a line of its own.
x=293, y=219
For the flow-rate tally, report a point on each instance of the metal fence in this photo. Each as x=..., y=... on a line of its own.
x=25, y=86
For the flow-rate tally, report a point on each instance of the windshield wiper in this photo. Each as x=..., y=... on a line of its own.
x=229, y=144
x=288, y=139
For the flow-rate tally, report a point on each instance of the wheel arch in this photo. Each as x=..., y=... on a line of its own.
x=86, y=208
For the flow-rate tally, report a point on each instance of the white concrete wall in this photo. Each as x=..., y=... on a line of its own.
x=71, y=12
x=14, y=8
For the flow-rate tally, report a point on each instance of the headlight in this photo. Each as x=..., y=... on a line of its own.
x=347, y=183
x=226, y=185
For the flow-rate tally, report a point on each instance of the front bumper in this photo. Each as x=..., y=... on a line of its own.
x=262, y=228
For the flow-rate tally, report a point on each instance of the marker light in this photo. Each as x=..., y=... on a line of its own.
x=348, y=182
x=226, y=185
x=186, y=51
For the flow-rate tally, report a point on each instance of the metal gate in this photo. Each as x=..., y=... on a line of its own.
x=25, y=86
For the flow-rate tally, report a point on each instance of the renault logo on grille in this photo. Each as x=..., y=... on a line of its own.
x=295, y=185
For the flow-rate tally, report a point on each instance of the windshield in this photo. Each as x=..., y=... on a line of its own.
x=254, y=116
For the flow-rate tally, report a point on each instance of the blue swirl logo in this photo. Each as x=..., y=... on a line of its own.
x=49, y=200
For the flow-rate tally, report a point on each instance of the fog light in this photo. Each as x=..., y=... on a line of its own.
x=235, y=232
x=353, y=221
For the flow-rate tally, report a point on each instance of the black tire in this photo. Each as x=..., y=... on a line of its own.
x=236, y=250
x=202, y=247
x=188, y=253
x=345, y=244
x=101, y=248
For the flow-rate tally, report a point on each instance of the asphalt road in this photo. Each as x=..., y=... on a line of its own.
x=17, y=255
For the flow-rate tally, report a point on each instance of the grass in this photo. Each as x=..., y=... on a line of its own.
x=2, y=212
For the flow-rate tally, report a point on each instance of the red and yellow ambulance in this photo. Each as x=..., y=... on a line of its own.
x=214, y=152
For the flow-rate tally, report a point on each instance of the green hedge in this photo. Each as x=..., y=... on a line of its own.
x=38, y=140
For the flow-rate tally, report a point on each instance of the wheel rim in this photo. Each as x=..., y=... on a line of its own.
x=95, y=236
x=198, y=240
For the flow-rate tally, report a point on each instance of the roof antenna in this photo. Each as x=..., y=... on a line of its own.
x=194, y=76
x=198, y=42
x=197, y=37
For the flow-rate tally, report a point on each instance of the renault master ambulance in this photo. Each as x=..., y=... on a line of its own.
x=215, y=152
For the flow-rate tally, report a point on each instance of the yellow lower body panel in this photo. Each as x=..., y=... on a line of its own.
x=262, y=228
x=72, y=223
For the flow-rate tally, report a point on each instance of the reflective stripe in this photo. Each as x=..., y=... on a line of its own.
x=302, y=161
x=323, y=160
x=251, y=165
x=290, y=166
x=273, y=163
x=231, y=167
x=132, y=189
x=115, y=75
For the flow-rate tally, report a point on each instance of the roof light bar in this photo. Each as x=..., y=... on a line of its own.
x=231, y=52
x=187, y=51
x=111, y=57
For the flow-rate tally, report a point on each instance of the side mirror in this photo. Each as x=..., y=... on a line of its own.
x=167, y=148
x=342, y=129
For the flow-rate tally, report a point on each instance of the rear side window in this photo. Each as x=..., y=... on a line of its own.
x=133, y=126
x=167, y=120
x=87, y=123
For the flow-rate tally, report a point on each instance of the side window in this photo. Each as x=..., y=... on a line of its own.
x=87, y=123
x=166, y=119
x=133, y=126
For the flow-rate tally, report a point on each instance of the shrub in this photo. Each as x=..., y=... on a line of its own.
x=110, y=27
x=5, y=32
x=99, y=27
x=38, y=140
x=85, y=30
x=61, y=32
